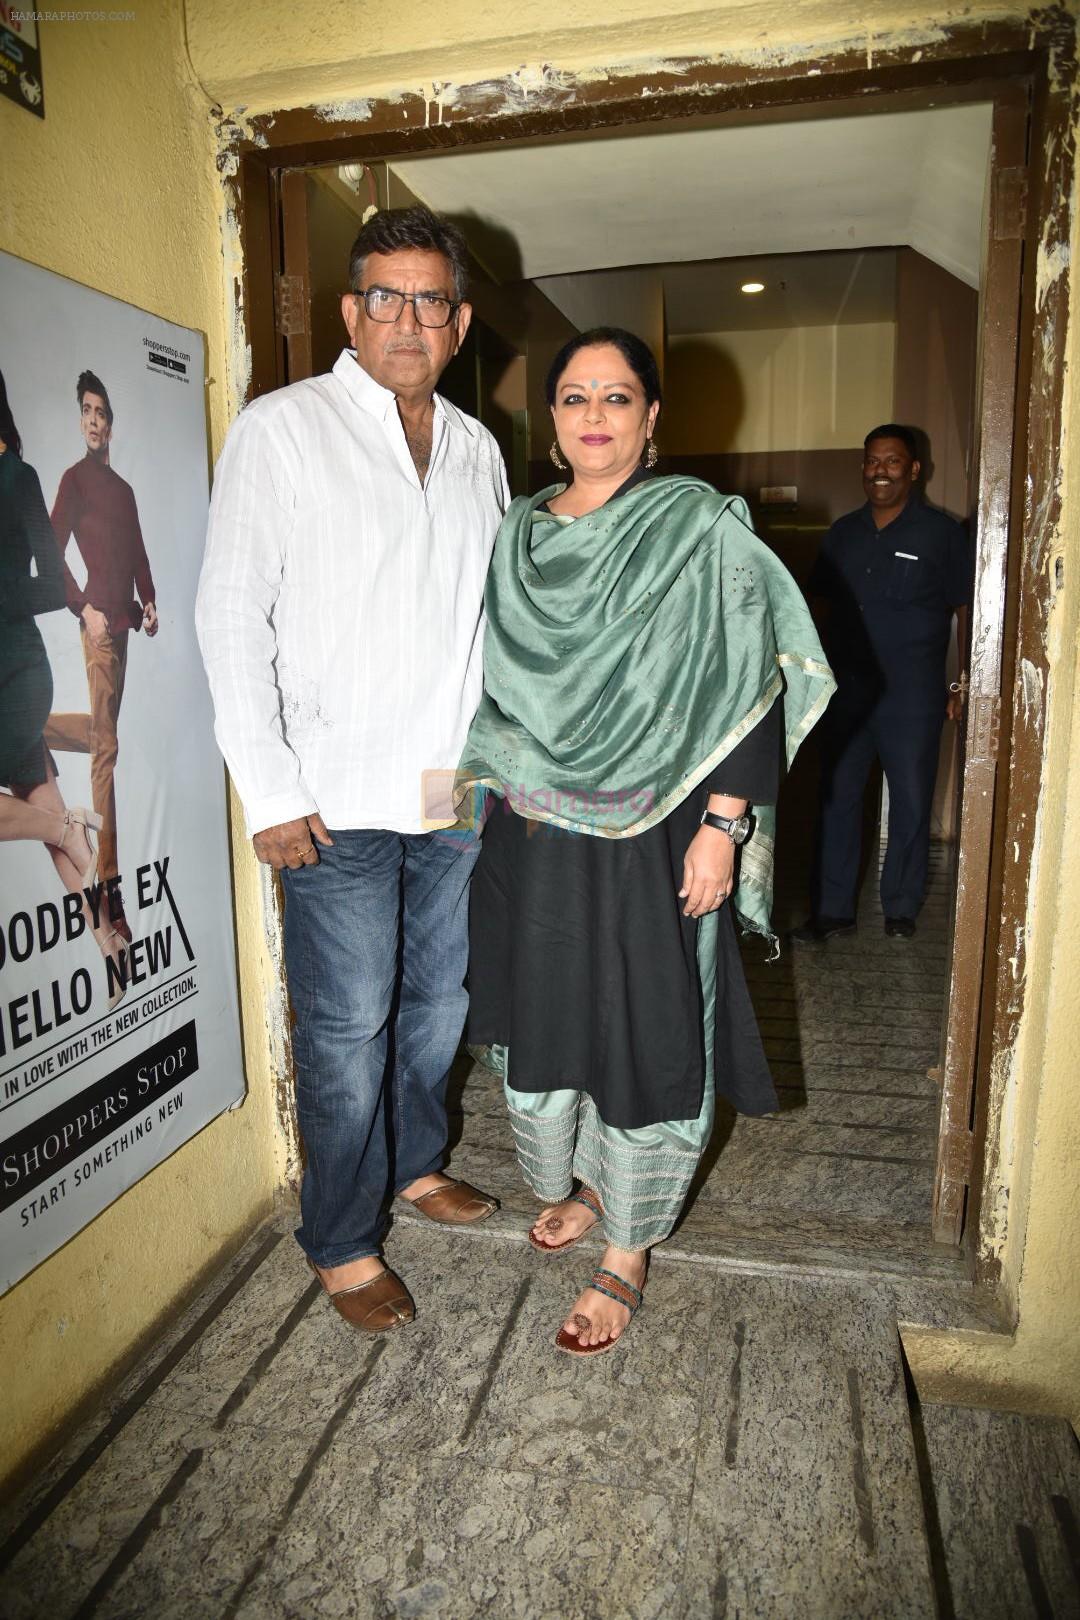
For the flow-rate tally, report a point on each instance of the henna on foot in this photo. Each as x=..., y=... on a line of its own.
x=560, y=1225
x=594, y=1317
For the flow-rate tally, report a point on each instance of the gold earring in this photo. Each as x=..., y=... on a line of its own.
x=652, y=455
x=555, y=456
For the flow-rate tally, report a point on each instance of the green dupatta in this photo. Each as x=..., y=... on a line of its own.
x=627, y=653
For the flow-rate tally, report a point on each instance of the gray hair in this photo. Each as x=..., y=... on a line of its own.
x=397, y=228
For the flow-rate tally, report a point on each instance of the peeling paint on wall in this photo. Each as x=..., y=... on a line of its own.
x=1031, y=692
x=1053, y=263
x=279, y=1025
x=229, y=134
x=994, y=1222
x=356, y=111
x=546, y=84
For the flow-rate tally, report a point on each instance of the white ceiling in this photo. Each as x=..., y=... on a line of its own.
x=875, y=180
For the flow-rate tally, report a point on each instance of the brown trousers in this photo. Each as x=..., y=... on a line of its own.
x=95, y=734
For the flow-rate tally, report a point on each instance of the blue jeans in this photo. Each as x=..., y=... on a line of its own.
x=376, y=947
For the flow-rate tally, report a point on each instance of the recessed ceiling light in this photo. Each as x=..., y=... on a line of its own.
x=752, y=287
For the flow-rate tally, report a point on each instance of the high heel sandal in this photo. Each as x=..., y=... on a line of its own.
x=89, y=820
x=114, y=946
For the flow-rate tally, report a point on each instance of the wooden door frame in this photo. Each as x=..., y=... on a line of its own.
x=995, y=439
x=965, y=63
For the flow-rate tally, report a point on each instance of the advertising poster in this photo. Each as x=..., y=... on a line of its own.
x=20, y=59
x=119, y=1026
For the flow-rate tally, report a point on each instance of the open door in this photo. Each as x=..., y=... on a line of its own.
x=982, y=782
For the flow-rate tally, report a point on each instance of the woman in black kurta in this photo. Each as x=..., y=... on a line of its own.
x=641, y=679
x=578, y=949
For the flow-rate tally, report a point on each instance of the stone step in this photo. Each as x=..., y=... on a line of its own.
x=1003, y=1509
x=747, y=1451
x=806, y=1496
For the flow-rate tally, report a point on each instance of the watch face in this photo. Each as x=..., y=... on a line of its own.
x=740, y=829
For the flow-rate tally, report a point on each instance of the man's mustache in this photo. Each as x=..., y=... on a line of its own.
x=409, y=344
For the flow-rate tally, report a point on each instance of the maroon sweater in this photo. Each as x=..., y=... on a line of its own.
x=95, y=505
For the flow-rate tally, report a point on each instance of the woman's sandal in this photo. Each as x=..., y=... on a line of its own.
x=114, y=945
x=616, y=1288
x=90, y=822
x=587, y=1197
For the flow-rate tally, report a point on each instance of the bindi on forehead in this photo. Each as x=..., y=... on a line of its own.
x=626, y=385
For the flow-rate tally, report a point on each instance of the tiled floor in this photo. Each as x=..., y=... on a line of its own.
x=746, y=1451
x=851, y=1028
x=1002, y=1511
x=285, y=1466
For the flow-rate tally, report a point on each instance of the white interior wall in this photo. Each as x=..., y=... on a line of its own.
x=803, y=388
x=633, y=299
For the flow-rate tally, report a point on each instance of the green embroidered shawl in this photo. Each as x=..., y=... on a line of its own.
x=627, y=652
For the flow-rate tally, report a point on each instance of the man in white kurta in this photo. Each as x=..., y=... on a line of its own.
x=340, y=619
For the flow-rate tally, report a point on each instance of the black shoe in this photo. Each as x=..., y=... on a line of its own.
x=899, y=927
x=818, y=929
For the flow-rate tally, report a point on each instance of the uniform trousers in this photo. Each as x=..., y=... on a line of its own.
x=906, y=741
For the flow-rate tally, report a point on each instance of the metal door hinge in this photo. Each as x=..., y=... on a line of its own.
x=1010, y=204
x=985, y=727
x=290, y=305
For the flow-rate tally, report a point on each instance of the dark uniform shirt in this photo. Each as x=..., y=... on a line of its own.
x=892, y=593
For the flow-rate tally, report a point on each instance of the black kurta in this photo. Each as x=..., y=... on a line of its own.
x=583, y=965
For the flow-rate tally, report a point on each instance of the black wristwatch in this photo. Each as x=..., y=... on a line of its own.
x=736, y=827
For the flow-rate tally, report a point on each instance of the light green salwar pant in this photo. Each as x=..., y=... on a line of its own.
x=641, y=1176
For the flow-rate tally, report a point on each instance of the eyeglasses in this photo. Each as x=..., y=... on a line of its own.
x=386, y=304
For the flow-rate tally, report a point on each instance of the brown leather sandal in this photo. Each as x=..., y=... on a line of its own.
x=376, y=1306
x=455, y=1203
x=587, y=1197
x=616, y=1288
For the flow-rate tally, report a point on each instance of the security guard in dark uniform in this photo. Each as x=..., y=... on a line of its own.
x=893, y=574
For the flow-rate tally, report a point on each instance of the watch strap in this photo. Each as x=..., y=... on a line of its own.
x=723, y=823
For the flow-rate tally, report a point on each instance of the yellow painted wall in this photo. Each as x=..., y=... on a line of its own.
x=119, y=189
x=799, y=388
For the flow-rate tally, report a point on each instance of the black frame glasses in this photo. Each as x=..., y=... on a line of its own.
x=425, y=305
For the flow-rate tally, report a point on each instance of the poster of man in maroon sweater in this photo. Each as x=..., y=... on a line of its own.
x=96, y=506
